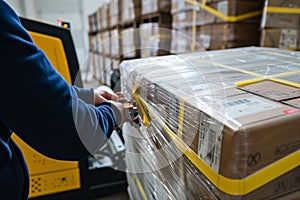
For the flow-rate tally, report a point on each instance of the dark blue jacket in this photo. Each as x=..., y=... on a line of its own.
x=39, y=106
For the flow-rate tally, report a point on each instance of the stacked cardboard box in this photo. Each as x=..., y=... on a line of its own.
x=93, y=25
x=155, y=39
x=105, y=16
x=223, y=124
x=131, y=10
x=114, y=13
x=154, y=6
x=114, y=43
x=209, y=25
x=281, y=24
x=130, y=41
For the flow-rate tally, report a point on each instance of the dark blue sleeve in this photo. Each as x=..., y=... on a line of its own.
x=39, y=105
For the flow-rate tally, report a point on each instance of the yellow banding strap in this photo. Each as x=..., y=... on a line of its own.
x=248, y=82
x=227, y=185
x=194, y=30
x=146, y=119
x=160, y=36
x=287, y=73
x=223, y=16
x=141, y=189
x=252, y=81
x=282, y=10
x=293, y=84
x=233, y=68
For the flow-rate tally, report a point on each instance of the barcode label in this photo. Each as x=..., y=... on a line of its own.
x=247, y=106
x=288, y=39
x=237, y=102
x=210, y=141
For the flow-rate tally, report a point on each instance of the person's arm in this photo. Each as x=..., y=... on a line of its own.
x=39, y=105
x=87, y=95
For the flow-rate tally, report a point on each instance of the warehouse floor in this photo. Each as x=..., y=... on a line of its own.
x=119, y=196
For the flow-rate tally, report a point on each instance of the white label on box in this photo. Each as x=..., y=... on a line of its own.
x=223, y=7
x=205, y=41
x=288, y=39
x=210, y=141
x=181, y=4
x=247, y=106
x=181, y=16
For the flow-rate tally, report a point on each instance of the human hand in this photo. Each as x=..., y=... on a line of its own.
x=120, y=119
x=104, y=94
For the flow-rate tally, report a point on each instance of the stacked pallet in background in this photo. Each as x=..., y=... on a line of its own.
x=281, y=24
x=126, y=30
x=215, y=24
x=155, y=34
x=216, y=125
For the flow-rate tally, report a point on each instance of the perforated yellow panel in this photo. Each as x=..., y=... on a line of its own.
x=50, y=183
x=49, y=176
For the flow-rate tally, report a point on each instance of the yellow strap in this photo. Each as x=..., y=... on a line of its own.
x=248, y=82
x=283, y=10
x=229, y=67
x=160, y=36
x=293, y=84
x=222, y=15
x=252, y=81
x=146, y=119
x=227, y=185
x=180, y=118
x=194, y=30
x=141, y=189
x=287, y=73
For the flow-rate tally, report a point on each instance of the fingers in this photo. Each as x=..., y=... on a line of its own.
x=109, y=96
x=99, y=99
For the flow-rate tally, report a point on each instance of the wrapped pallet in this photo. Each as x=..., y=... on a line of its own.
x=281, y=24
x=214, y=125
x=209, y=19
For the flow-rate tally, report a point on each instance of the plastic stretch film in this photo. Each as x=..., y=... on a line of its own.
x=214, y=125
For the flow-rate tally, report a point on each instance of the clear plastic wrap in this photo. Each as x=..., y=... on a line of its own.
x=214, y=125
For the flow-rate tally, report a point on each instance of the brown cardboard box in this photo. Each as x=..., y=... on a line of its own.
x=288, y=39
x=106, y=46
x=280, y=188
x=240, y=131
x=131, y=10
x=99, y=19
x=242, y=125
x=114, y=41
x=184, y=17
x=105, y=16
x=281, y=20
x=294, y=102
x=216, y=36
x=153, y=6
x=155, y=39
x=114, y=13
x=130, y=42
x=179, y=5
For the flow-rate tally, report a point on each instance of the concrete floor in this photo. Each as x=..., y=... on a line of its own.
x=120, y=196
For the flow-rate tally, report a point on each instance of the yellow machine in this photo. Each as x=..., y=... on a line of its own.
x=48, y=176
